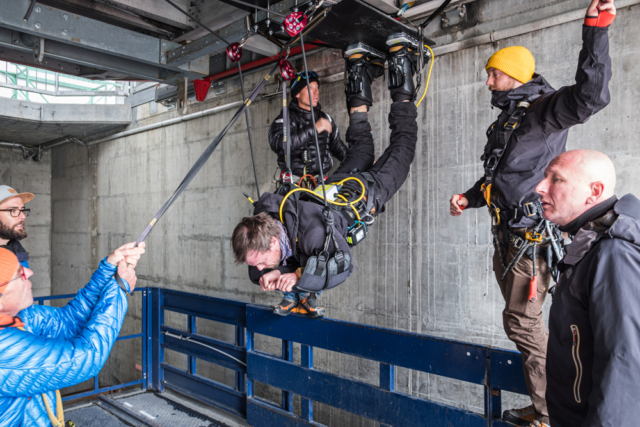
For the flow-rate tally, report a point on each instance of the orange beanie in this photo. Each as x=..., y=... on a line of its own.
x=8, y=266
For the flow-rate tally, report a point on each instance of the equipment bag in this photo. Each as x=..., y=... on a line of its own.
x=315, y=278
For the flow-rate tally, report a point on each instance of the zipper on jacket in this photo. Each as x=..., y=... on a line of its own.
x=575, y=349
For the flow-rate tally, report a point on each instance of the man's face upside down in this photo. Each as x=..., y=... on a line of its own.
x=266, y=259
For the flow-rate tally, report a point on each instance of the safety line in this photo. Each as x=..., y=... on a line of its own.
x=205, y=156
x=196, y=20
x=180, y=337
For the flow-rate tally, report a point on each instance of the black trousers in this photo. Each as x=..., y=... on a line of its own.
x=392, y=168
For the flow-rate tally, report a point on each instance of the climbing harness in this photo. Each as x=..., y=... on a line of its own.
x=528, y=244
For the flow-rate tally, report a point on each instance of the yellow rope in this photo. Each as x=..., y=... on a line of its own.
x=347, y=204
x=55, y=421
x=59, y=421
x=428, y=76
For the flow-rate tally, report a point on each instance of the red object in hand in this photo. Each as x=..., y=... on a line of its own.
x=286, y=70
x=294, y=23
x=461, y=207
x=234, y=52
x=533, y=289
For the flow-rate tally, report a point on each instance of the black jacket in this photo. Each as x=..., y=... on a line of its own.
x=543, y=131
x=593, y=355
x=303, y=142
x=306, y=231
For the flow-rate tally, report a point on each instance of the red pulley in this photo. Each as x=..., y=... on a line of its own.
x=286, y=69
x=234, y=51
x=295, y=23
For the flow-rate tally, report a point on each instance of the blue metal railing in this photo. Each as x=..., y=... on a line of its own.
x=495, y=370
x=96, y=382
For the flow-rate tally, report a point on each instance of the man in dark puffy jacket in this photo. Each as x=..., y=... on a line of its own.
x=283, y=241
x=303, y=147
x=531, y=130
x=44, y=349
x=593, y=358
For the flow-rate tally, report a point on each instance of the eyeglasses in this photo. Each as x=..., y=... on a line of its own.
x=23, y=274
x=15, y=212
x=303, y=75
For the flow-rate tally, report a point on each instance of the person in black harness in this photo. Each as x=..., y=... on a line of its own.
x=531, y=130
x=301, y=133
x=294, y=244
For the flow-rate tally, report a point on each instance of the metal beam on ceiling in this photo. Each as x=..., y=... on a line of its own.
x=215, y=15
x=156, y=10
x=87, y=42
x=211, y=45
x=73, y=29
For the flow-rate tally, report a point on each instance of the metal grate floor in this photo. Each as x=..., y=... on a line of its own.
x=155, y=408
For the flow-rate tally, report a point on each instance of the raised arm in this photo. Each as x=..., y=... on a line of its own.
x=572, y=105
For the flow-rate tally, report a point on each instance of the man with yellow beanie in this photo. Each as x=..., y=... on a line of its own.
x=43, y=349
x=531, y=130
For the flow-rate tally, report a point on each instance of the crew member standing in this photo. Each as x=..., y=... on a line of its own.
x=531, y=130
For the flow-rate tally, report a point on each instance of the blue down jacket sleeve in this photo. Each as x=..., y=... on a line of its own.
x=59, y=348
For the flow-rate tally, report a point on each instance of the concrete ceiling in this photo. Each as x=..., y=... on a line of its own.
x=29, y=123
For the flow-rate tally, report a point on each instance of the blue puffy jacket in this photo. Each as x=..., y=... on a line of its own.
x=60, y=347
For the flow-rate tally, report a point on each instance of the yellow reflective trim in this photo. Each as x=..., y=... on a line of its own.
x=153, y=222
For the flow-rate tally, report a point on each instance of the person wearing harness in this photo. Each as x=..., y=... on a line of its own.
x=301, y=133
x=44, y=349
x=12, y=217
x=593, y=358
x=299, y=247
x=531, y=130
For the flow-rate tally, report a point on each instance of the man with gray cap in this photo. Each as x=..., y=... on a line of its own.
x=12, y=217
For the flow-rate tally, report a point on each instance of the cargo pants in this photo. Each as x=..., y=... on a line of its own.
x=522, y=319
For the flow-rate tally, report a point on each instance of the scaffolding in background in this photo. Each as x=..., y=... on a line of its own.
x=37, y=85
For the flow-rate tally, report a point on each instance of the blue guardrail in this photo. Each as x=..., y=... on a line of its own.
x=496, y=370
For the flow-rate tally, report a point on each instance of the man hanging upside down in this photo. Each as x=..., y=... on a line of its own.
x=294, y=244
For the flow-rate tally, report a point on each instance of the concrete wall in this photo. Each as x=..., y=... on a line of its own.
x=33, y=177
x=419, y=270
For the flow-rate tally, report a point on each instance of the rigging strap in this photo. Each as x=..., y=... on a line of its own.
x=205, y=156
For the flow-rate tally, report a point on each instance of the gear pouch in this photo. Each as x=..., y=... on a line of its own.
x=314, y=277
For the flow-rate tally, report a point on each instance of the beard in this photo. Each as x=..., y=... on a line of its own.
x=8, y=233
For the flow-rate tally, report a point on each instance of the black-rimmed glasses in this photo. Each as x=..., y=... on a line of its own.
x=15, y=212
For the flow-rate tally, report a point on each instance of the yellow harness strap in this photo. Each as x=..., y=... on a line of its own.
x=59, y=421
x=55, y=421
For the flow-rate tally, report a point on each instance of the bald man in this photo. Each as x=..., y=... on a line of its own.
x=593, y=356
x=530, y=131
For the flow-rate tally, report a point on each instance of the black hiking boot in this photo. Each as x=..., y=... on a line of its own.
x=285, y=307
x=520, y=417
x=310, y=304
x=403, y=59
x=363, y=66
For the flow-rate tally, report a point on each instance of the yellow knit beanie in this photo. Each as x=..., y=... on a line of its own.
x=514, y=61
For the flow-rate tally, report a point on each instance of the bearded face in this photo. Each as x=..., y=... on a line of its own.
x=12, y=231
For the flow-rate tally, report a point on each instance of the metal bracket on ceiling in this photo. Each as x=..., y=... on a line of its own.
x=38, y=50
x=182, y=100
